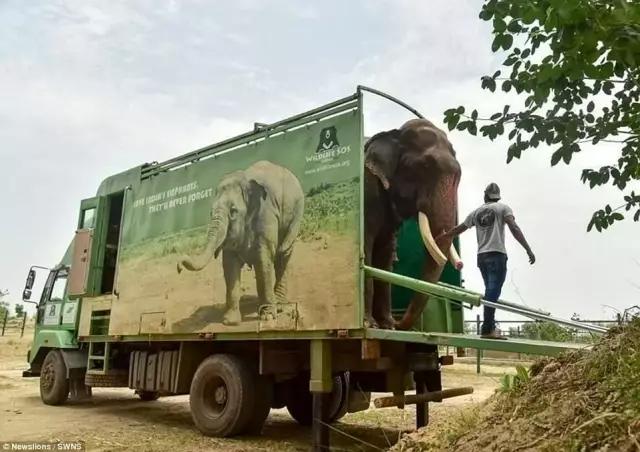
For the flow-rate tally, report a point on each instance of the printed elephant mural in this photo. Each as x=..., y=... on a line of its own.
x=409, y=172
x=255, y=219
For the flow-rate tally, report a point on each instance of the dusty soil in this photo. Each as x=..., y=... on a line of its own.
x=115, y=419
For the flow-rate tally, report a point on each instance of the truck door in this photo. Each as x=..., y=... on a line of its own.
x=96, y=244
x=88, y=253
x=54, y=308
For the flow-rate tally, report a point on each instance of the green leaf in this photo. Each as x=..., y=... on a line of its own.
x=495, y=116
x=499, y=25
x=506, y=86
x=507, y=42
x=590, y=106
x=497, y=43
x=485, y=14
x=474, y=114
x=555, y=157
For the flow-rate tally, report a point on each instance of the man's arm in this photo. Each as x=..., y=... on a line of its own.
x=519, y=236
x=453, y=232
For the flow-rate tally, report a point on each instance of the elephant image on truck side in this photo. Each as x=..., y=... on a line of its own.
x=255, y=219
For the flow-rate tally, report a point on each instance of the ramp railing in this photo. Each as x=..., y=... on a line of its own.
x=473, y=298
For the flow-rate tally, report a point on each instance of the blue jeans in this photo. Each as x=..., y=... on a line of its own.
x=493, y=266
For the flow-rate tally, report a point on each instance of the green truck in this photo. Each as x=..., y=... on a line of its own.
x=234, y=273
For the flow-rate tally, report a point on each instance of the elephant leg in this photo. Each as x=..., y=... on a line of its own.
x=232, y=266
x=285, y=250
x=281, y=264
x=265, y=273
x=369, y=321
x=383, y=259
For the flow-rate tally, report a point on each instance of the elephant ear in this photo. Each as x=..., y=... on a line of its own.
x=381, y=155
x=257, y=192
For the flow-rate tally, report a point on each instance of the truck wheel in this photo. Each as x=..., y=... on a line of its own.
x=148, y=396
x=222, y=395
x=54, y=385
x=300, y=401
x=342, y=402
x=264, y=400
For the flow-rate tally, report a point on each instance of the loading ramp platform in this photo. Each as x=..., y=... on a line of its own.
x=515, y=345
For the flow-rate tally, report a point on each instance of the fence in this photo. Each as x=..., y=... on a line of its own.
x=12, y=324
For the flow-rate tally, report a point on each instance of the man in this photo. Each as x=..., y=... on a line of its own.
x=489, y=220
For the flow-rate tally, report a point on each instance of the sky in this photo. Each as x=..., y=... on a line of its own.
x=89, y=88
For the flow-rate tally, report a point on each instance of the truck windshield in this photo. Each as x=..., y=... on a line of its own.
x=59, y=287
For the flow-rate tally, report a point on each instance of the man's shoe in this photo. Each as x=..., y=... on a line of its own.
x=493, y=335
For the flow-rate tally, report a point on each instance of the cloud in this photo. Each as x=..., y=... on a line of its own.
x=94, y=88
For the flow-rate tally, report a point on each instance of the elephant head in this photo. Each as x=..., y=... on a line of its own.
x=237, y=198
x=417, y=166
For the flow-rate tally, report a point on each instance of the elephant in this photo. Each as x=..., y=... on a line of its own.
x=409, y=172
x=255, y=219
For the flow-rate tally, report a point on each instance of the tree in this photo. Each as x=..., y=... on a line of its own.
x=576, y=63
x=19, y=308
x=4, y=309
x=546, y=331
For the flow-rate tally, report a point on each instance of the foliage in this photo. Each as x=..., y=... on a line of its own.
x=510, y=382
x=19, y=308
x=4, y=309
x=546, y=331
x=576, y=63
x=581, y=400
x=330, y=207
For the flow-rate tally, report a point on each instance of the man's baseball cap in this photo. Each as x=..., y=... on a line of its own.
x=492, y=191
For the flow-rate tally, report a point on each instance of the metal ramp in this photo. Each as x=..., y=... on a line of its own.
x=448, y=292
x=516, y=345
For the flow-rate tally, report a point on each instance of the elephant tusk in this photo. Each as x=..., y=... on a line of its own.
x=429, y=242
x=454, y=258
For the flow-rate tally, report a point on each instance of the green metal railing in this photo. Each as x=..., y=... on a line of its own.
x=262, y=132
x=473, y=298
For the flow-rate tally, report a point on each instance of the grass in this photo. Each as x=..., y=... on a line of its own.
x=581, y=400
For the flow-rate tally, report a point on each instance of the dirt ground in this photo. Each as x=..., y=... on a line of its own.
x=115, y=419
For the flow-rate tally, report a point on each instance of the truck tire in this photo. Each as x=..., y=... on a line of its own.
x=300, y=401
x=264, y=400
x=54, y=385
x=148, y=396
x=114, y=379
x=223, y=395
x=342, y=402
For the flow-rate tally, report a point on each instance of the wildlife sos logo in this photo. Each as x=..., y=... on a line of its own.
x=329, y=152
x=328, y=139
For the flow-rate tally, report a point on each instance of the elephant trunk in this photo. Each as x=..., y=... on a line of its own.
x=440, y=216
x=216, y=235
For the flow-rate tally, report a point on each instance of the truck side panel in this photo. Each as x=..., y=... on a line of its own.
x=167, y=236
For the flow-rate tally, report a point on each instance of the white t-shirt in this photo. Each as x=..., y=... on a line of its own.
x=489, y=222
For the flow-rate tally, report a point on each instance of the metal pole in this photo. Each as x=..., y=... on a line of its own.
x=423, y=287
x=501, y=301
x=420, y=397
x=571, y=323
x=391, y=98
x=4, y=321
x=478, y=351
x=24, y=322
x=457, y=294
